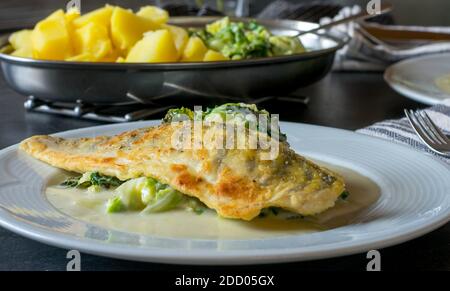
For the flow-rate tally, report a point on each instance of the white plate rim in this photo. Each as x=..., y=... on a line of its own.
x=232, y=257
x=408, y=92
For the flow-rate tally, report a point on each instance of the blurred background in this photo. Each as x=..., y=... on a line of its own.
x=19, y=13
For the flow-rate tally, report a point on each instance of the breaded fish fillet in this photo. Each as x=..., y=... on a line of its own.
x=237, y=183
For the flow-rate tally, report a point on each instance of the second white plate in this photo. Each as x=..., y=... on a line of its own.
x=422, y=79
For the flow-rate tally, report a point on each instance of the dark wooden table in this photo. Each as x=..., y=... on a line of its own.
x=344, y=100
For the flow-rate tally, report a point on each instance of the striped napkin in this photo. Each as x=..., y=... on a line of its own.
x=400, y=131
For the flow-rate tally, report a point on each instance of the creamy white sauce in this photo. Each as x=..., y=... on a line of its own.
x=90, y=207
x=443, y=83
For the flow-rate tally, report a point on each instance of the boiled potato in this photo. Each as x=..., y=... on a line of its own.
x=110, y=34
x=85, y=57
x=127, y=28
x=71, y=15
x=155, y=14
x=101, y=16
x=111, y=57
x=156, y=47
x=7, y=49
x=21, y=40
x=213, y=56
x=23, y=53
x=93, y=39
x=180, y=37
x=50, y=38
x=195, y=50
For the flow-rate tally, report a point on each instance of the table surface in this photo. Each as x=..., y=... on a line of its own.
x=343, y=100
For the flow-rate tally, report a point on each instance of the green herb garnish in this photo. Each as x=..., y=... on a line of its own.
x=274, y=210
x=104, y=181
x=90, y=179
x=344, y=195
x=236, y=113
x=178, y=114
x=71, y=182
x=270, y=211
x=195, y=205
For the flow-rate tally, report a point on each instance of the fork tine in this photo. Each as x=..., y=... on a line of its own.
x=439, y=134
x=418, y=128
x=430, y=133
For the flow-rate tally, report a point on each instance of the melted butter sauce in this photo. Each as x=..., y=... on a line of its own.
x=179, y=223
x=443, y=83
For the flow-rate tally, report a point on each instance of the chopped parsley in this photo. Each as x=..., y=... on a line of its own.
x=92, y=179
x=344, y=195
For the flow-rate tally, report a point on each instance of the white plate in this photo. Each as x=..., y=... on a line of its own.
x=415, y=199
x=415, y=78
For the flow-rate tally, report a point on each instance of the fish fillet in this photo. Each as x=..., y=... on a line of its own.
x=237, y=183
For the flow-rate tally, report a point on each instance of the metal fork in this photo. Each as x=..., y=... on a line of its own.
x=428, y=132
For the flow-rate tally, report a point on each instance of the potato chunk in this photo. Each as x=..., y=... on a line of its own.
x=213, y=56
x=21, y=40
x=101, y=16
x=85, y=57
x=195, y=50
x=155, y=14
x=156, y=47
x=127, y=28
x=23, y=53
x=71, y=15
x=21, y=43
x=111, y=57
x=93, y=39
x=50, y=38
x=180, y=37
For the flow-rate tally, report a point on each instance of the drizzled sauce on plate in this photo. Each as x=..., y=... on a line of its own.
x=180, y=223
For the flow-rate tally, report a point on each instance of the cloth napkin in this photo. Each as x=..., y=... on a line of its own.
x=400, y=131
x=366, y=51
